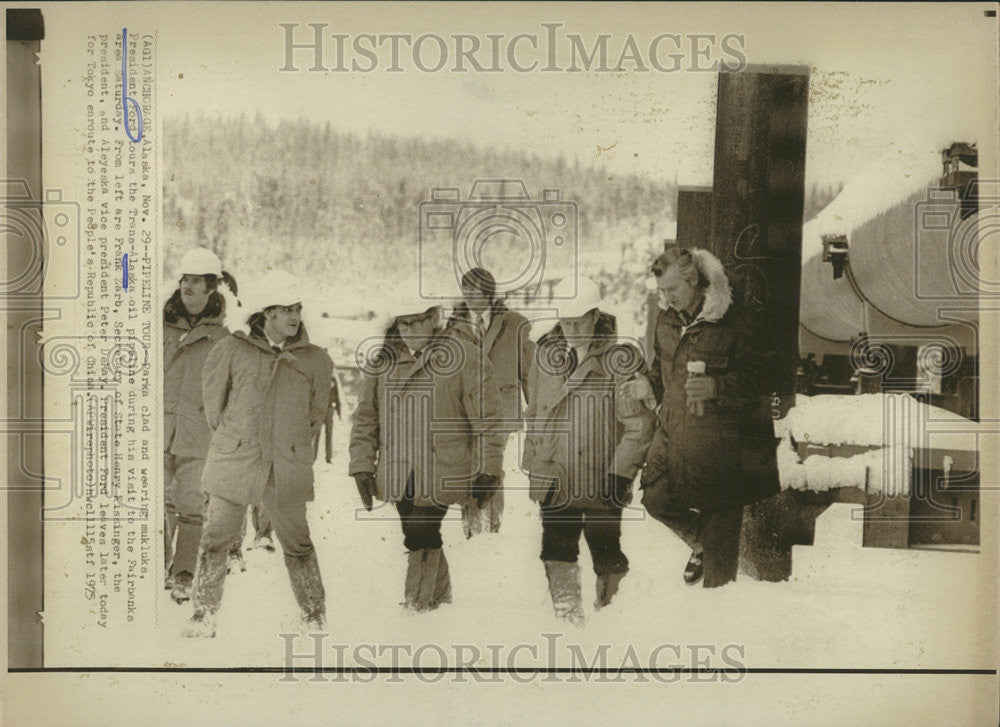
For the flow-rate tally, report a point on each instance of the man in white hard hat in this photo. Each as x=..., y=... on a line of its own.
x=193, y=321
x=266, y=390
x=588, y=430
x=427, y=433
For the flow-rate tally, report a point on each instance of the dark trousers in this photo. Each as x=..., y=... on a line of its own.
x=715, y=533
x=602, y=529
x=421, y=525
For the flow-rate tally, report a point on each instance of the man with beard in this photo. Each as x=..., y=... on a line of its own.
x=193, y=321
x=503, y=337
x=266, y=390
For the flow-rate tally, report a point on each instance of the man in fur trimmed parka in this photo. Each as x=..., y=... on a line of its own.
x=193, y=321
x=713, y=450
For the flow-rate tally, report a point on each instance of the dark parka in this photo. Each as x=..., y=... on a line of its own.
x=582, y=424
x=725, y=458
x=437, y=417
x=510, y=350
x=185, y=348
x=264, y=408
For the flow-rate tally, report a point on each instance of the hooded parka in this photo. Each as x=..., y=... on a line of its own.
x=264, y=408
x=436, y=416
x=582, y=423
x=185, y=349
x=726, y=457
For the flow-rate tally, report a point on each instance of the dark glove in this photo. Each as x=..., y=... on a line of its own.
x=484, y=486
x=617, y=490
x=366, y=487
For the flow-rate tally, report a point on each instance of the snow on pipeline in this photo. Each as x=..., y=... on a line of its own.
x=889, y=427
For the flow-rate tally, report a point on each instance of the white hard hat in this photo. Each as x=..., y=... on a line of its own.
x=574, y=297
x=389, y=310
x=201, y=261
x=276, y=287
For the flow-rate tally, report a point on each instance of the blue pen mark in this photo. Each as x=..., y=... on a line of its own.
x=126, y=99
x=125, y=271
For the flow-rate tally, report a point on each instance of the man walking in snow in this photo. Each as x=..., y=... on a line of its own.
x=503, y=337
x=587, y=435
x=266, y=389
x=713, y=450
x=426, y=434
x=193, y=321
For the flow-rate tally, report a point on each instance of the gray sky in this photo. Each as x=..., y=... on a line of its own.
x=880, y=72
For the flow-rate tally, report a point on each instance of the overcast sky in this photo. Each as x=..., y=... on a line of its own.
x=880, y=73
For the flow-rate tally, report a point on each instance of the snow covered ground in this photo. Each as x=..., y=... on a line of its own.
x=845, y=607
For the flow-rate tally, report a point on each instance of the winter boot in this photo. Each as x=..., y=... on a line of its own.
x=235, y=560
x=186, y=553
x=428, y=582
x=564, y=587
x=200, y=626
x=263, y=541
x=607, y=587
x=695, y=568
x=472, y=519
x=183, y=584
x=414, y=572
x=209, y=581
x=307, y=585
x=442, y=588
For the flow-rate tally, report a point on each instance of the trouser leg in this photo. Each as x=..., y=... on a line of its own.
x=189, y=506
x=720, y=540
x=328, y=434
x=291, y=528
x=219, y=534
x=603, y=531
x=428, y=581
x=683, y=521
x=169, y=514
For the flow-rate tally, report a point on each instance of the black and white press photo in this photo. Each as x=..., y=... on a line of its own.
x=628, y=361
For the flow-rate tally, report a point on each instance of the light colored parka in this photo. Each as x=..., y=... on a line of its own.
x=583, y=424
x=436, y=416
x=263, y=408
x=185, y=429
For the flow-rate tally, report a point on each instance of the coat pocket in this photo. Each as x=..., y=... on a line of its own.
x=225, y=443
x=304, y=452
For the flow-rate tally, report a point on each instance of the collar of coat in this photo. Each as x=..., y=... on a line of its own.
x=460, y=323
x=400, y=352
x=176, y=315
x=718, y=295
x=299, y=341
x=605, y=336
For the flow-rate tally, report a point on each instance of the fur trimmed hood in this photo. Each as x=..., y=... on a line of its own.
x=719, y=293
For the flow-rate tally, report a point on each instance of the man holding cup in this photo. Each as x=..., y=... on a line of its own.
x=713, y=450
